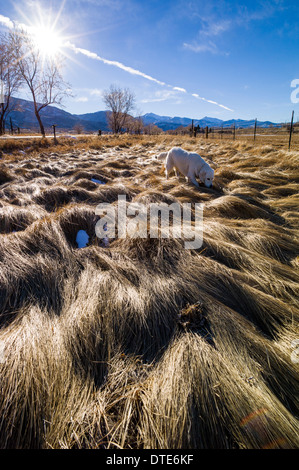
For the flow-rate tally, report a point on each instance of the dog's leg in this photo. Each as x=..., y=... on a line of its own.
x=168, y=169
x=193, y=180
x=168, y=165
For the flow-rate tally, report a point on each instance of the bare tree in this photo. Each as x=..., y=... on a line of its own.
x=78, y=128
x=152, y=129
x=119, y=103
x=10, y=77
x=41, y=74
x=134, y=125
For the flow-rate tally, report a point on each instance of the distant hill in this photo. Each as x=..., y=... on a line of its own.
x=151, y=118
x=97, y=117
x=22, y=116
x=173, y=122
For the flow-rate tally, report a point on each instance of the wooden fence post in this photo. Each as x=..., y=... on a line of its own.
x=11, y=126
x=255, y=130
x=291, y=130
x=54, y=132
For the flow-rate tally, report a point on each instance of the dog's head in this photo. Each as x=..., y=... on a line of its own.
x=206, y=175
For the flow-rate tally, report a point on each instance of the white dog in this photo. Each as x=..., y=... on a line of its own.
x=161, y=156
x=190, y=164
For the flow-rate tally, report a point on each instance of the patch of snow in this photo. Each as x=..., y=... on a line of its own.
x=82, y=239
x=68, y=136
x=105, y=240
x=97, y=181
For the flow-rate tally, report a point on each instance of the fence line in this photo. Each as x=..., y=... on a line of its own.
x=214, y=132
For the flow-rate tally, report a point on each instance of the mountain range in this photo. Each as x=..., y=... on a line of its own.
x=22, y=116
x=166, y=122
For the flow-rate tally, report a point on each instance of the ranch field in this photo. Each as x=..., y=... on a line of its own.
x=141, y=343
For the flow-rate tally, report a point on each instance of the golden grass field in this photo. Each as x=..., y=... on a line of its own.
x=144, y=344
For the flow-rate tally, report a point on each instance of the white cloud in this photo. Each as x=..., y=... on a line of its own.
x=163, y=95
x=6, y=21
x=82, y=92
x=96, y=92
x=81, y=99
x=203, y=41
x=201, y=47
x=211, y=27
x=215, y=28
x=152, y=100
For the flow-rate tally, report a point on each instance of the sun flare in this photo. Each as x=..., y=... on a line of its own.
x=47, y=41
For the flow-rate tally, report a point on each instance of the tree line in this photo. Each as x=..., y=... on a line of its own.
x=120, y=102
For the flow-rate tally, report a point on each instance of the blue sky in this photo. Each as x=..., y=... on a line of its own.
x=226, y=59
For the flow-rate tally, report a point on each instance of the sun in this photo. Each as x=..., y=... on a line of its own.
x=40, y=27
x=46, y=40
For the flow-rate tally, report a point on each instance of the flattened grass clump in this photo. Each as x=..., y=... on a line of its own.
x=5, y=175
x=14, y=219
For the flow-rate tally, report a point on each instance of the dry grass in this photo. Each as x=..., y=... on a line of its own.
x=144, y=344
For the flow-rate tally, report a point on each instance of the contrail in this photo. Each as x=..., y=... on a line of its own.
x=93, y=55
x=210, y=101
x=7, y=22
